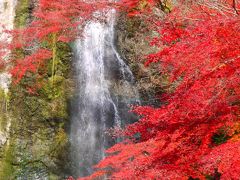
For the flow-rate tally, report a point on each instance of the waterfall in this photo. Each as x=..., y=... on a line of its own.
x=105, y=91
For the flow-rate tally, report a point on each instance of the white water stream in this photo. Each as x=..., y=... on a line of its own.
x=105, y=92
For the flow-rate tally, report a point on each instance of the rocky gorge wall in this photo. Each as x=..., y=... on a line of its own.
x=133, y=37
x=37, y=143
x=133, y=46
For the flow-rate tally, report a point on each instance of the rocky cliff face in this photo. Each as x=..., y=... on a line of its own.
x=133, y=43
x=133, y=46
x=36, y=143
x=7, y=14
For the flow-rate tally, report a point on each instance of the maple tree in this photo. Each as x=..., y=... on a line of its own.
x=195, y=134
x=53, y=21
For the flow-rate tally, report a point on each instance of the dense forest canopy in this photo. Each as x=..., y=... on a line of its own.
x=194, y=134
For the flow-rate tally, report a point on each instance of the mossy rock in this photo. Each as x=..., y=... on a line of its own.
x=6, y=164
x=23, y=11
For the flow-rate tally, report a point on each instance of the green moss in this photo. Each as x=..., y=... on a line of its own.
x=52, y=93
x=53, y=177
x=3, y=122
x=220, y=137
x=5, y=5
x=54, y=110
x=22, y=13
x=7, y=169
x=63, y=60
x=8, y=150
x=41, y=117
x=60, y=142
x=166, y=6
x=143, y=4
x=4, y=100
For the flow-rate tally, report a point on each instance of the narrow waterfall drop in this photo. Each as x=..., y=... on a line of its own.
x=105, y=91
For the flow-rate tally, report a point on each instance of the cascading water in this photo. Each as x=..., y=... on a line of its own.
x=105, y=91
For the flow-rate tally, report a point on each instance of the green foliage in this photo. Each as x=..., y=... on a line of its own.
x=41, y=114
x=6, y=167
x=4, y=100
x=215, y=176
x=22, y=13
x=220, y=137
x=166, y=6
x=39, y=110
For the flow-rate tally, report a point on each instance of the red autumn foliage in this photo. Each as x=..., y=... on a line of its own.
x=62, y=19
x=200, y=53
x=30, y=63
